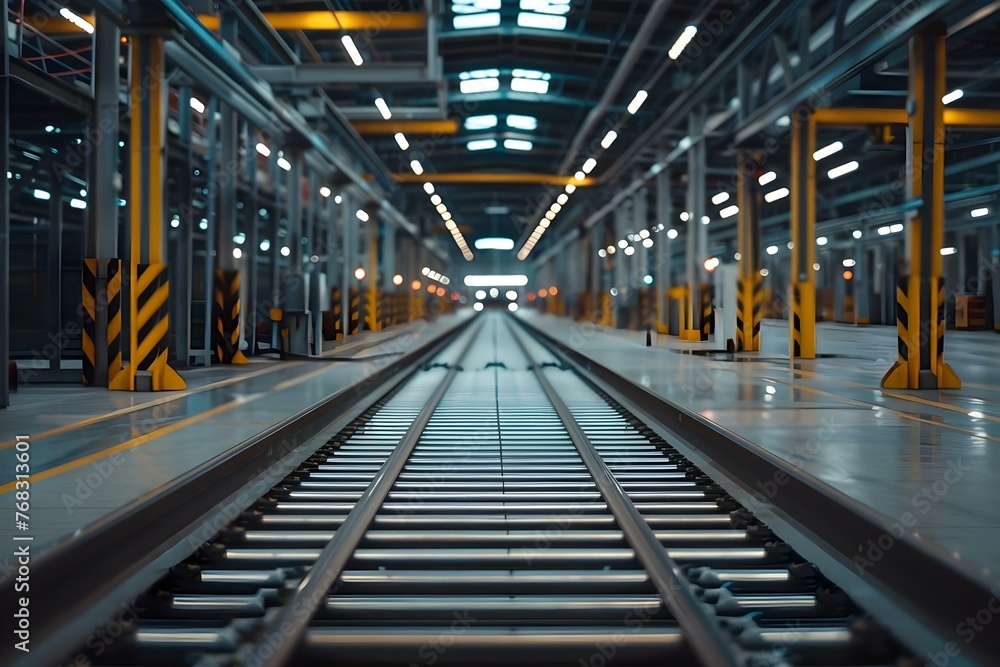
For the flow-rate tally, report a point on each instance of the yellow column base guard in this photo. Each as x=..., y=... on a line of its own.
x=691, y=334
x=239, y=358
x=165, y=378
x=898, y=377
x=662, y=329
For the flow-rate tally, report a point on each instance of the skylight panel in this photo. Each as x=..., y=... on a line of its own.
x=474, y=6
x=522, y=122
x=517, y=144
x=530, y=81
x=546, y=6
x=540, y=21
x=481, y=144
x=479, y=86
x=481, y=122
x=480, y=20
x=530, y=74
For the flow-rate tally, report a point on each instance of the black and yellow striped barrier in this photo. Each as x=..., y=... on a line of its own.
x=606, y=316
x=920, y=367
x=226, y=317
x=89, y=337
x=149, y=327
x=115, y=300
x=707, y=311
x=337, y=330
x=803, y=310
x=645, y=309
x=749, y=305
x=371, y=311
x=108, y=300
x=354, y=318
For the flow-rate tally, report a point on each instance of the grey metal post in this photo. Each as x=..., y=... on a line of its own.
x=664, y=218
x=101, y=234
x=331, y=215
x=53, y=306
x=697, y=234
x=388, y=257
x=101, y=238
x=249, y=311
x=225, y=189
x=862, y=283
x=4, y=213
x=295, y=212
x=180, y=299
x=347, y=274
x=211, y=173
x=640, y=217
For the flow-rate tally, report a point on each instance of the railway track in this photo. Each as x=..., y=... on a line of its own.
x=496, y=508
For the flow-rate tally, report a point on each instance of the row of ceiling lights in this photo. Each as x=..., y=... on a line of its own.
x=452, y=226
x=609, y=138
x=643, y=237
x=818, y=155
x=544, y=223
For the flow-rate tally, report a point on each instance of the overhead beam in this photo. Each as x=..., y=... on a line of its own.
x=323, y=20
x=877, y=39
x=406, y=126
x=847, y=117
x=512, y=178
x=322, y=74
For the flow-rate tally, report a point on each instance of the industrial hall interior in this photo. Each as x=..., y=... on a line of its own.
x=555, y=333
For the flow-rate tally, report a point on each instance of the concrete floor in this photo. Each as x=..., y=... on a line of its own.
x=932, y=454
x=93, y=450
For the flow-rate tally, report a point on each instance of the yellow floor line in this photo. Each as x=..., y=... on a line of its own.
x=937, y=404
x=902, y=414
x=901, y=397
x=141, y=406
x=153, y=435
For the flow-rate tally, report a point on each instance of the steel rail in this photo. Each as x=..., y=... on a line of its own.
x=286, y=629
x=119, y=551
x=847, y=526
x=703, y=634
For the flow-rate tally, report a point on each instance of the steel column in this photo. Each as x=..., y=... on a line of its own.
x=696, y=240
x=920, y=294
x=372, y=314
x=101, y=238
x=349, y=245
x=250, y=314
x=749, y=246
x=148, y=287
x=862, y=284
x=181, y=303
x=4, y=212
x=295, y=212
x=101, y=231
x=618, y=275
x=53, y=305
x=223, y=189
x=802, y=318
x=388, y=257
x=211, y=175
x=662, y=275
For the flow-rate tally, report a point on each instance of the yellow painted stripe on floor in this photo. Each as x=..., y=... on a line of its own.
x=938, y=404
x=128, y=444
x=904, y=415
x=150, y=404
x=153, y=435
x=898, y=396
